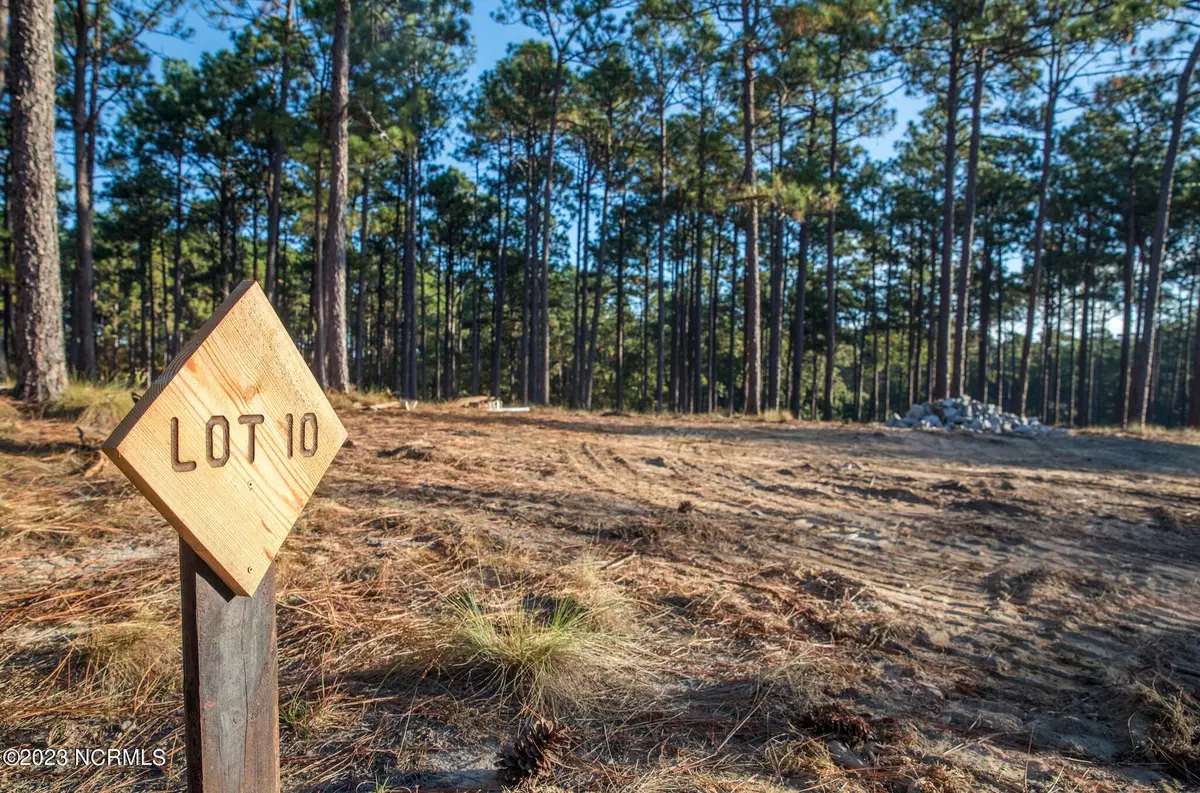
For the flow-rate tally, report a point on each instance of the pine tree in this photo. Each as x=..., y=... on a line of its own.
x=41, y=363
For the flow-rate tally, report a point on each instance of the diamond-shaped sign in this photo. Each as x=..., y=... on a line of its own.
x=230, y=442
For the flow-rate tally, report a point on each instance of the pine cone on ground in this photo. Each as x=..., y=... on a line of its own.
x=532, y=754
x=832, y=719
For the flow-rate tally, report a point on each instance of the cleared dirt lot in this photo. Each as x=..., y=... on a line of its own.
x=776, y=607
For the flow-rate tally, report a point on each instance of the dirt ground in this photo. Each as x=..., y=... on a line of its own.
x=791, y=607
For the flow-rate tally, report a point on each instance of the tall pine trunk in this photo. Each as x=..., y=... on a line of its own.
x=1143, y=359
x=750, y=185
x=541, y=306
x=985, y=320
x=410, y=388
x=501, y=275
x=775, y=345
x=887, y=331
x=176, y=340
x=959, y=384
x=1039, y=232
x=278, y=144
x=941, y=386
x=360, y=318
x=1194, y=388
x=317, y=300
x=1083, y=391
x=798, y=319
x=731, y=382
x=661, y=241
x=41, y=360
x=1127, y=296
x=601, y=253
x=621, y=308
x=713, y=312
x=831, y=270
x=335, y=236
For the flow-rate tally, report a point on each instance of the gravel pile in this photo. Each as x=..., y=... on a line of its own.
x=970, y=415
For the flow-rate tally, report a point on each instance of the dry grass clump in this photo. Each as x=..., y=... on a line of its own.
x=556, y=653
x=796, y=684
x=137, y=655
x=309, y=714
x=606, y=601
x=1172, y=729
x=940, y=779
x=484, y=551
x=790, y=757
x=98, y=406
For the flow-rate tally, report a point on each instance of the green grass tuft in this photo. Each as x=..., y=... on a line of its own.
x=556, y=653
x=99, y=406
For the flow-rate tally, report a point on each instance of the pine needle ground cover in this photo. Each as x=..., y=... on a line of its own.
x=564, y=602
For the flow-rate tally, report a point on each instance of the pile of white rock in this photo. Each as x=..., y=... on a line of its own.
x=970, y=415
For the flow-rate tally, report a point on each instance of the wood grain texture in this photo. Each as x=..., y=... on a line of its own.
x=231, y=441
x=230, y=682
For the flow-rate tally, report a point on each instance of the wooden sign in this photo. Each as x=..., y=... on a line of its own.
x=230, y=442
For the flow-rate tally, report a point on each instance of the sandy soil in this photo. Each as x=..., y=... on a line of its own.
x=1004, y=614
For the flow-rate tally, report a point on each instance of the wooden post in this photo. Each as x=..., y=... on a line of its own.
x=229, y=444
x=230, y=683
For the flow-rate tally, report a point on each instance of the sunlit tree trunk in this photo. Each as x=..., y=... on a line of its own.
x=750, y=184
x=335, y=236
x=958, y=384
x=317, y=300
x=41, y=360
x=1144, y=355
x=597, y=294
x=541, y=307
x=775, y=345
x=83, y=331
x=941, y=385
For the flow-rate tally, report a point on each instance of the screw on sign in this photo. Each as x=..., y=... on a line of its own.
x=229, y=444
